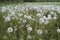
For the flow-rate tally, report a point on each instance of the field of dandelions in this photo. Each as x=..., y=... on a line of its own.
x=29, y=22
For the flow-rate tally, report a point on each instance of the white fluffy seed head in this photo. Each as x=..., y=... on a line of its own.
x=3, y=9
x=10, y=29
x=55, y=17
x=39, y=31
x=49, y=17
x=25, y=16
x=29, y=28
x=20, y=14
x=38, y=14
x=7, y=18
x=29, y=17
x=41, y=20
x=51, y=12
x=58, y=30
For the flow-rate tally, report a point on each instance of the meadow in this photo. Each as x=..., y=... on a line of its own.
x=30, y=21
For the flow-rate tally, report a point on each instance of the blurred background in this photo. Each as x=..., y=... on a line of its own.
x=29, y=0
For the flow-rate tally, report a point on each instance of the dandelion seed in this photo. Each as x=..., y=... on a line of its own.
x=44, y=17
x=20, y=14
x=12, y=13
x=49, y=17
x=29, y=17
x=10, y=29
x=25, y=16
x=38, y=14
x=55, y=18
x=7, y=18
x=51, y=12
x=29, y=28
x=23, y=20
x=3, y=9
x=39, y=31
x=58, y=30
x=41, y=20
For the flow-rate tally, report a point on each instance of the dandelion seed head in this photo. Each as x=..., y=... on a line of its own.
x=38, y=14
x=29, y=28
x=10, y=29
x=7, y=18
x=41, y=20
x=39, y=31
x=3, y=9
x=58, y=30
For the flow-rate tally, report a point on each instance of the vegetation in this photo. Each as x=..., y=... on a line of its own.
x=30, y=21
x=29, y=0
